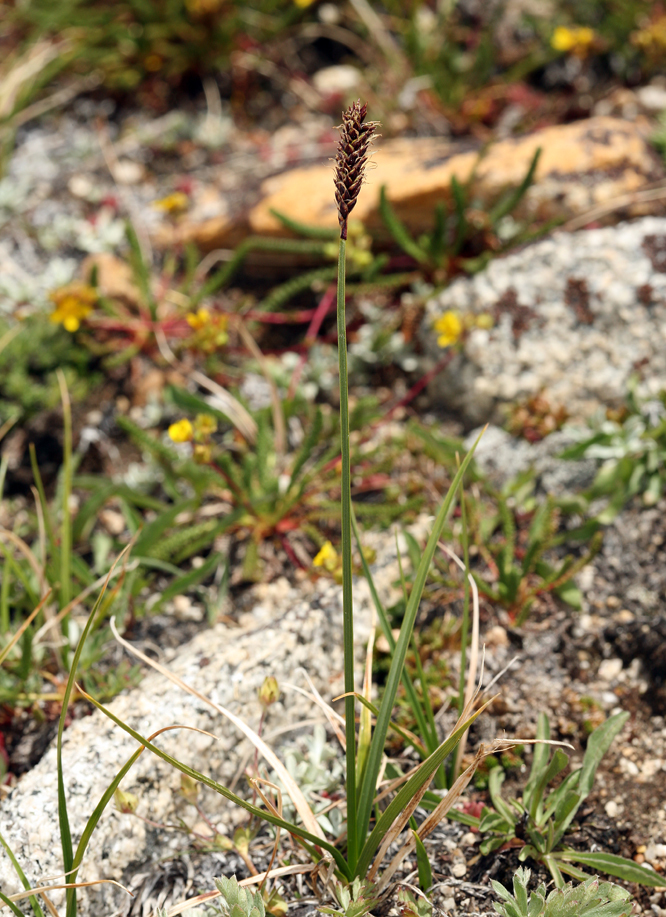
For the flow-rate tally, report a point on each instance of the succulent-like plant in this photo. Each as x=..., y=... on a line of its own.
x=236, y=901
x=591, y=898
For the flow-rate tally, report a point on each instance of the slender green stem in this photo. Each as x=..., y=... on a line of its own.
x=66, y=527
x=347, y=601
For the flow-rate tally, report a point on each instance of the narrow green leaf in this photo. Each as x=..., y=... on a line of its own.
x=539, y=760
x=557, y=764
x=407, y=791
x=422, y=863
x=613, y=865
x=385, y=625
x=34, y=903
x=597, y=745
x=223, y=791
x=11, y=905
x=511, y=202
x=398, y=230
x=496, y=778
x=397, y=664
x=182, y=583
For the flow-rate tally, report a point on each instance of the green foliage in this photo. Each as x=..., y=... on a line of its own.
x=129, y=41
x=236, y=901
x=354, y=900
x=631, y=452
x=457, y=241
x=544, y=816
x=411, y=905
x=28, y=363
x=591, y=898
x=521, y=572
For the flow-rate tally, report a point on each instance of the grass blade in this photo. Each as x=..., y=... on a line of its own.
x=423, y=863
x=403, y=797
x=410, y=690
x=63, y=817
x=34, y=903
x=613, y=865
x=313, y=839
x=398, y=662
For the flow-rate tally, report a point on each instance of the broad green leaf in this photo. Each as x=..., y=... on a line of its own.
x=597, y=745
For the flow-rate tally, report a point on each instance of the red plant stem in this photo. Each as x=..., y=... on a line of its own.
x=411, y=394
x=326, y=303
x=291, y=554
x=417, y=388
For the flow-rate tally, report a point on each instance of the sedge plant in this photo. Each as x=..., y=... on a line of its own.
x=374, y=821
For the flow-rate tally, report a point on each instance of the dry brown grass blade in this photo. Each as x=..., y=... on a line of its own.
x=93, y=587
x=396, y=829
x=474, y=650
x=237, y=414
x=19, y=633
x=276, y=404
x=293, y=870
x=21, y=69
x=41, y=889
x=334, y=718
x=276, y=810
x=434, y=818
x=299, y=801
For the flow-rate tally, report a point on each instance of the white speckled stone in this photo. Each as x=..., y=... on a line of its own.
x=582, y=366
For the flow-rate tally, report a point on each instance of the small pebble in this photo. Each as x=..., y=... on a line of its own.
x=458, y=870
x=612, y=809
x=610, y=669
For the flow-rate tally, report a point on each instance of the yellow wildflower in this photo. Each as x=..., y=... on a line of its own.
x=269, y=692
x=73, y=303
x=210, y=331
x=651, y=38
x=181, y=431
x=327, y=557
x=576, y=40
x=303, y=4
x=199, y=319
x=173, y=203
x=202, y=454
x=449, y=328
x=204, y=426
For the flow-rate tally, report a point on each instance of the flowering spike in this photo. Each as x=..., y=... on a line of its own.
x=356, y=135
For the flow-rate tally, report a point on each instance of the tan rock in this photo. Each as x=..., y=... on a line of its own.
x=582, y=165
x=114, y=277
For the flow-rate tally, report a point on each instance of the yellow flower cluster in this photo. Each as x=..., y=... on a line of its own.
x=200, y=432
x=451, y=326
x=175, y=203
x=652, y=38
x=328, y=558
x=577, y=40
x=73, y=303
x=210, y=331
x=181, y=431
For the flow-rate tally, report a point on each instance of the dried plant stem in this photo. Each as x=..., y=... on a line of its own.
x=346, y=532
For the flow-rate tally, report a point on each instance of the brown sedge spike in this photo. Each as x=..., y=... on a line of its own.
x=356, y=134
